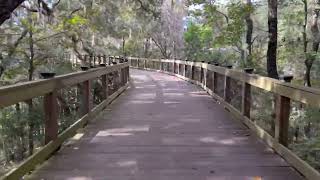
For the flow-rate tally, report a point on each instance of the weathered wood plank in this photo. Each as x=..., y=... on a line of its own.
x=45, y=152
x=147, y=134
x=310, y=96
x=10, y=95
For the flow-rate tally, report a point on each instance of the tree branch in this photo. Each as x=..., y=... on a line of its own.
x=7, y=7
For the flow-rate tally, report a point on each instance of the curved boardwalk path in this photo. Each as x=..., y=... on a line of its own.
x=164, y=128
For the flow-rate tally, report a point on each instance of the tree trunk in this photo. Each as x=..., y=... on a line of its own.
x=30, y=78
x=304, y=34
x=315, y=47
x=146, y=47
x=249, y=32
x=273, y=39
x=7, y=7
x=123, y=46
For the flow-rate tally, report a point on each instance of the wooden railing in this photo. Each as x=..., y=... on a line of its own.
x=114, y=80
x=207, y=75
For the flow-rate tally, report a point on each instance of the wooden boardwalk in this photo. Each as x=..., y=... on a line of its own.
x=163, y=128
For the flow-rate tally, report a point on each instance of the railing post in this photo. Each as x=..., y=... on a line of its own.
x=94, y=60
x=214, y=79
x=145, y=64
x=90, y=61
x=185, y=66
x=201, y=72
x=160, y=64
x=178, y=71
x=226, y=93
x=51, y=116
x=105, y=59
x=205, y=71
x=85, y=97
x=282, y=116
x=104, y=86
x=173, y=67
x=246, y=95
x=192, y=70
x=86, y=61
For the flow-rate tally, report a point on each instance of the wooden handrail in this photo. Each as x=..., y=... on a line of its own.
x=307, y=95
x=48, y=88
x=12, y=94
x=284, y=93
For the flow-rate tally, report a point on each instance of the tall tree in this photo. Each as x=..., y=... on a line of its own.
x=249, y=30
x=310, y=58
x=273, y=39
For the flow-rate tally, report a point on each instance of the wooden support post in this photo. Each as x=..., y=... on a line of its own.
x=185, y=66
x=104, y=86
x=94, y=60
x=91, y=61
x=51, y=116
x=214, y=82
x=99, y=59
x=86, y=61
x=201, y=73
x=85, y=97
x=105, y=59
x=145, y=64
x=192, y=71
x=226, y=93
x=160, y=65
x=204, y=81
x=173, y=67
x=246, y=95
x=282, y=116
x=178, y=71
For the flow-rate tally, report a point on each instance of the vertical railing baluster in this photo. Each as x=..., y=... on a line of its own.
x=85, y=97
x=227, y=92
x=104, y=86
x=282, y=116
x=246, y=95
x=185, y=69
x=204, y=76
x=51, y=116
x=192, y=70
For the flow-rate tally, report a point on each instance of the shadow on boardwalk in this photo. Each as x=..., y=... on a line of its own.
x=164, y=128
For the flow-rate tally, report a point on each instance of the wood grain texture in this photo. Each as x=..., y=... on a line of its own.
x=304, y=168
x=307, y=95
x=149, y=134
x=47, y=151
x=10, y=95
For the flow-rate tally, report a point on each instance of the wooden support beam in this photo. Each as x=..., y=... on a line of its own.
x=227, y=93
x=204, y=81
x=214, y=82
x=282, y=116
x=104, y=86
x=85, y=97
x=246, y=95
x=51, y=116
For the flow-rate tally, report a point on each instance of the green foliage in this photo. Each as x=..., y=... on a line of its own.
x=197, y=38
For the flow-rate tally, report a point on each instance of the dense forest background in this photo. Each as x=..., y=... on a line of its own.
x=275, y=37
x=229, y=32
